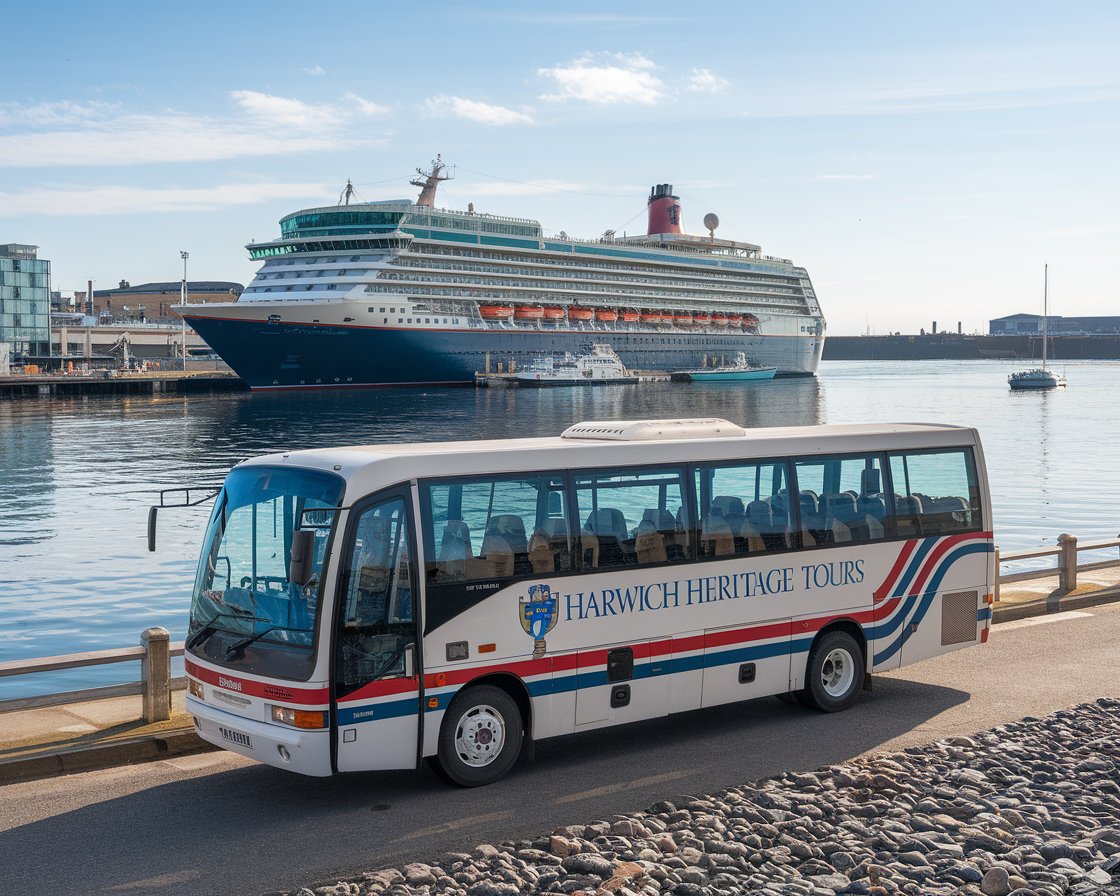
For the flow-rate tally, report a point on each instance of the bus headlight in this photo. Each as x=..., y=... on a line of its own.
x=195, y=688
x=299, y=718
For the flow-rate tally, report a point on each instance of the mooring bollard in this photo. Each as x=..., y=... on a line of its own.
x=1067, y=562
x=155, y=674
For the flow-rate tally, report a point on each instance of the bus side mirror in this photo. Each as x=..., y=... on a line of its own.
x=299, y=563
x=152, y=527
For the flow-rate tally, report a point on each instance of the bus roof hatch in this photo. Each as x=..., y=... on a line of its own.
x=653, y=430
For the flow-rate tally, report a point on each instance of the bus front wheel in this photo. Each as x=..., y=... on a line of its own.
x=480, y=738
x=834, y=675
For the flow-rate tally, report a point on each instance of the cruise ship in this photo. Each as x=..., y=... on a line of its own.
x=398, y=293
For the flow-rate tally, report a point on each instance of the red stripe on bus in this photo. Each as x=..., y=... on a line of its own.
x=935, y=557
x=282, y=693
x=888, y=583
x=387, y=687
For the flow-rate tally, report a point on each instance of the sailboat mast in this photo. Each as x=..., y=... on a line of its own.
x=1045, y=311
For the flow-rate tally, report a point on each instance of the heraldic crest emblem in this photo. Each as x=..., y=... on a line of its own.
x=538, y=615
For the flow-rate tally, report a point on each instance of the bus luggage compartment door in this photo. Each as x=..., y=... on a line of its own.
x=619, y=684
x=741, y=663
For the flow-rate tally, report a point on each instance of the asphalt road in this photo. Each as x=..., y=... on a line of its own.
x=219, y=824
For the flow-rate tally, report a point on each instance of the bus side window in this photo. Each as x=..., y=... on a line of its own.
x=495, y=528
x=936, y=492
x=841, y=499
x=743, y=509
x=631, y=517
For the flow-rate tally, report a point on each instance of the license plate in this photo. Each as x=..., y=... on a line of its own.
x=236, y=737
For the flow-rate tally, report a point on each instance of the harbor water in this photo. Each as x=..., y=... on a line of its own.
x=77, y=476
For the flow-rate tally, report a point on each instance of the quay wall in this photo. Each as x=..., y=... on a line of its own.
x=954, y=346
x=77, y=386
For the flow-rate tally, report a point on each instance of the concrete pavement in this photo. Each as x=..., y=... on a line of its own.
x=79, y=737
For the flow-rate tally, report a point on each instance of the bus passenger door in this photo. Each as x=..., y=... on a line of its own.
x=376, y=685
x=620, y=684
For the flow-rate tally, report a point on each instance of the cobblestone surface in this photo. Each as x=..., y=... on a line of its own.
x=1026, y=809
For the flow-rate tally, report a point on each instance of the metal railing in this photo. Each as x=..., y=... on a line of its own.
x=1067, y=567
x=156, y=650
x=155, y=684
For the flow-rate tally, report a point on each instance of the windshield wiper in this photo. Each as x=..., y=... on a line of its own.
x=209, y=628
x=238, y=647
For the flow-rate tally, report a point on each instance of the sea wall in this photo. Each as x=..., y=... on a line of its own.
x=960, y=347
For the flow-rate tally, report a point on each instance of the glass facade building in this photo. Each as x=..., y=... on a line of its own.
x=25, y=300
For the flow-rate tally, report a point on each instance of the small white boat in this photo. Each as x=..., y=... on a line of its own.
x=738, y=371
x=599, y=367
x=1040, y=377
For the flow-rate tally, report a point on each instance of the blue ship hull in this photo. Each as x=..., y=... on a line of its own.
x=288, y=355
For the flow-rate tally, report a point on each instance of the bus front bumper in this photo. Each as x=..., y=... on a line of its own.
x=306, y=752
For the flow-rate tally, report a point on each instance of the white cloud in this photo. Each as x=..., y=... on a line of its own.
x=284, y=111
x=473, y=110
x=706, y=81
x=605, y=79
x=120, y=200
x=58, y=113
x=315, y=70
x=65, y=133
x=364, y=106
x=843, y=177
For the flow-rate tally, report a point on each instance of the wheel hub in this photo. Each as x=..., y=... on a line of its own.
x=480, y=736
x=837, y=672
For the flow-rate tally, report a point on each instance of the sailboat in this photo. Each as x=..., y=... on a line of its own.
x=1041, y=377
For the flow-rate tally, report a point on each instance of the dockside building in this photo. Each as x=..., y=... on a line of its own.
x=25, y=306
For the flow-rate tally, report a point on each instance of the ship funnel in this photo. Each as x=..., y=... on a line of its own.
x=664, y=210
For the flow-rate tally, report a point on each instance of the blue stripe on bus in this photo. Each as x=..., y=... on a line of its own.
x=674, y=665
x=913, y=566
x=927, y=598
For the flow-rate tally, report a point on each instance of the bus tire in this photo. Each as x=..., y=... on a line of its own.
x=834, y=673
x=480, y=738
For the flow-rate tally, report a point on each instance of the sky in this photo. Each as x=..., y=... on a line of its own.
x=921, y=161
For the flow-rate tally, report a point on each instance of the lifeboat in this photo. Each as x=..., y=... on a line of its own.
x=750, y=322
x=631, y=317
x=495, y=312
x=553, y=313
x=735, y=320
x=720, y=320
x=702, y=320
x=528, y=312
x=580, y=314
x=651, y=317
x=607, y=315
x=682, y=320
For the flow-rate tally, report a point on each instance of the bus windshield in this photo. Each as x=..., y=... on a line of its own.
x=246, y=613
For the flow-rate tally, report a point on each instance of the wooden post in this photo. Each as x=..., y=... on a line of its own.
x=155, y=674
x=1067, y=563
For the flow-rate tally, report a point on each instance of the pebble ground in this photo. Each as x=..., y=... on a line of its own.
x=1030, y=808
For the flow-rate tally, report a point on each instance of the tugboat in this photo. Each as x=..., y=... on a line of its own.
x=738, y=371
x=599, y=367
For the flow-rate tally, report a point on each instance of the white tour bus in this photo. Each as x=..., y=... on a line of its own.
x=369, y=608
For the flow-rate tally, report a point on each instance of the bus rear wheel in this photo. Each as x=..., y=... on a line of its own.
x=834, y=674
x=480, y=738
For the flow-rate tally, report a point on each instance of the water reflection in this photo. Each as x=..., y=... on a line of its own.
x=26, y=483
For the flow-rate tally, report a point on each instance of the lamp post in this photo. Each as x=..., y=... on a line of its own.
x=183, y=301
